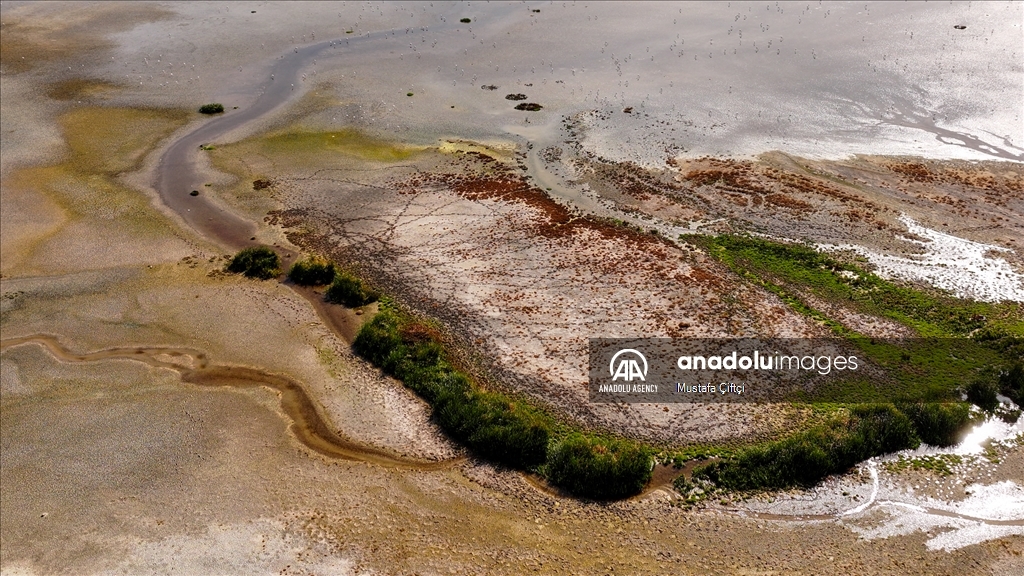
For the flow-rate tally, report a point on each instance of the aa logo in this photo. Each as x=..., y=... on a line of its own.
x=627, y=367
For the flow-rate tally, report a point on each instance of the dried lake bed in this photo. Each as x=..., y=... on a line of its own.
x=876, y=126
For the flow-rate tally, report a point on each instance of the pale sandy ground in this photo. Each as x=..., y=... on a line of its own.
x=118, y=467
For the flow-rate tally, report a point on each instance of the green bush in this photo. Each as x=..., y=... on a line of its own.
x=349, y=291
x=600, y=468
x=493, y=425
x=313, y=271
x=1011, y=383
x=982, y=392
x=214, y=108
x=939, y=424
x=807, y=457
x=256, y=262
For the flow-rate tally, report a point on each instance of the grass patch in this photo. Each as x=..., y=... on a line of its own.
x=795, y=265
x=941, y=464
x=959, y=339
x=349, y=291
x=256, y=262
x=312, y=271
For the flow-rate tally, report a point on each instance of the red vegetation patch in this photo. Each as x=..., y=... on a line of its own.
x=913, y=171
x=553, y=220
x=416, y=332
x=787, y=202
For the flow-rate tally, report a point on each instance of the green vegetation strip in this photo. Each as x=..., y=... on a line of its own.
x=806, y=457
x=495, y=426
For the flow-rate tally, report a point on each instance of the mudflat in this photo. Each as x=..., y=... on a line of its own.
x=160, y=415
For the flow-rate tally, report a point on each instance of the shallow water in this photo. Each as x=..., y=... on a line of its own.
x=724, y=78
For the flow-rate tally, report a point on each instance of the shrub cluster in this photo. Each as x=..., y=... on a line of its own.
x=256, y=262
x=1011, y=383
x=529, y=106
x=496, y=427
x=349, y=291
x=313, y=271
x=939, y=424
x=807, y=457
x=214, y=108
x=983, y=392
x=600, y=468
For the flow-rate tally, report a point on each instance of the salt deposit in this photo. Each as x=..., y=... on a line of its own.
x=966, y=268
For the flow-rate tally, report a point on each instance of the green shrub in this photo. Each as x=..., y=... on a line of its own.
x=1011, y=383
x=600, y=468
x=349, y=291
x=465, y=20
x=807, y=457
x=256, y=262
x=494, y=426
x=982, y=392
x=214, y=108
x=939, y=424
x=313, y=271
